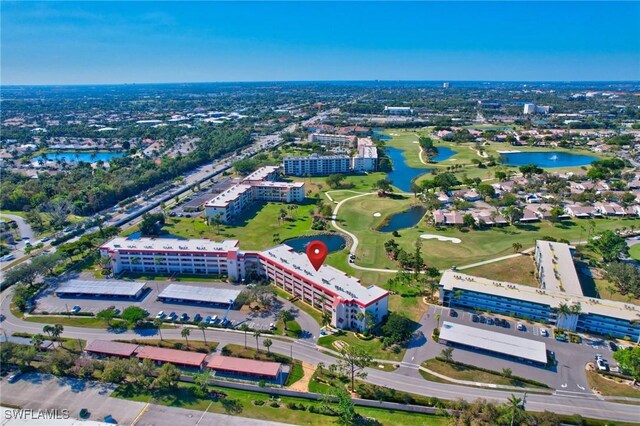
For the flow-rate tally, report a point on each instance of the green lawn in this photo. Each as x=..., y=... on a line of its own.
x=314, y=313
x=460, y=372
x=356, y=216
x=521, y=269
x=88, y=322
x=373, y=346
x=183, y=397
x=634, y=252
x=293, y=329
x=610, y=387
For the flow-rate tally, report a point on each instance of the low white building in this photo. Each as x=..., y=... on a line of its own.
x=398, y=110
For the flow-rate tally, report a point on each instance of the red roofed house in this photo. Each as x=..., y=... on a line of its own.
x=174, y=356
x=247, y=369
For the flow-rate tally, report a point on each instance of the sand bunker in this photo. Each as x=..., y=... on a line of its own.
x=440, y=238
x=377, y=214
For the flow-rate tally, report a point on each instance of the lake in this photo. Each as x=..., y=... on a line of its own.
x=402, y=174
x=334, y=242
x=78, y=156
x=406, y=219
x=548, y=159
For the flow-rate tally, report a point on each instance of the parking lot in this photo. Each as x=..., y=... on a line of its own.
x=50, y=303
x=568, y=376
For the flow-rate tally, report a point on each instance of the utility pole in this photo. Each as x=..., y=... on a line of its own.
x=67, y=307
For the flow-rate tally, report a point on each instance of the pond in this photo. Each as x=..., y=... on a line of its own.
x=547, y=159
x=402, y=174
x=334, y=242
x=78, y=156
x=406, y=219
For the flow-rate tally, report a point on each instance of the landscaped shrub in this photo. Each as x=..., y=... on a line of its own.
x=259, y=402
x=274, y=404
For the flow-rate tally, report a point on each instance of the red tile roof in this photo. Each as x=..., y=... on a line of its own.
x=108, y=347
x=174, y=356
x=241, y=365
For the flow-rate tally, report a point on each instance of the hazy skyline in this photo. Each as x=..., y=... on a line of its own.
x=149, y=42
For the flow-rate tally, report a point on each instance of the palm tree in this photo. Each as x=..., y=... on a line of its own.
x=506, y=372
x=575, y=309
x=437, y=320
x=516, y=405
x=244, y=327
x=185, y=333
x=433, y=287
x=326, y=318
x=285, y=315
x=563, y=310
x=36, y=340
x=257, y=334
x=516, y=247
x=203, y=326
x=267, y=344
x=57, y=331
x=48, y=329
x=157, y=323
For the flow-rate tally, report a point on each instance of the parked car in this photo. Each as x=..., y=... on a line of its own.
x=76, y=309
x=184, y=317
x=475, y=318
x=13, y=377
x=602, y=365
x=173, y=316
x=453, y=313
x=161, y=315
x=272, y=326
x=598, y=356
x=45, y=239
x=197, y=317
x=483, y=320
x=214, y=319
x=490, y=321
x=116, y=311
x=613, y=346
x=207, y=320
x=544, y=332
x=561, y=338
x=519, y=326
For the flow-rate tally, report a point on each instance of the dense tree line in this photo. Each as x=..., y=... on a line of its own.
x=90, y=190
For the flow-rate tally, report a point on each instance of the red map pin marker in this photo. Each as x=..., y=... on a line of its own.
x=317, y=252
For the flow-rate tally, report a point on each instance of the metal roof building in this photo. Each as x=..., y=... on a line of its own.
x=209, y=295
x=106, y=288
x=248, y=368
x=505, y=344
x=108, y=347
x=174, y=356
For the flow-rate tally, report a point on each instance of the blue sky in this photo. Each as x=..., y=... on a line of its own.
x=126, y=42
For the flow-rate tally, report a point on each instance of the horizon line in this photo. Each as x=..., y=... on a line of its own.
x=312, y=81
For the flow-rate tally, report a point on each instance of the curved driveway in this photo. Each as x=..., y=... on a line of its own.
x=406, y=378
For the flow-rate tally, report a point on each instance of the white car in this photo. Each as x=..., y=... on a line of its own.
x=519, y=326
x=544, y=332
x=161, y=315
x=602, y=365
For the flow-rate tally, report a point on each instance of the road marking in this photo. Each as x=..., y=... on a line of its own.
x=144, y=409
x=581, y=388
x=564, y=385
x=205, y=412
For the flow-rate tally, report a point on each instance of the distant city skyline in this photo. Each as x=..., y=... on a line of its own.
x=167, y=42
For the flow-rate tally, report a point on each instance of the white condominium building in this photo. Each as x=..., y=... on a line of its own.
x=316, y=165
x=556, y=271
x=367, y=158
x=600, y=316
x=333, y=141
x=398, y=110
x=170, y=255
x=258, y=186
x=343, y=295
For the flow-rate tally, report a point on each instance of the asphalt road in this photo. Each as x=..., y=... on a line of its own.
x=406, y=378
x=25, y=233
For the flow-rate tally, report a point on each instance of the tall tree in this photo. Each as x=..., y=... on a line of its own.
x=354, y=359
x=185, y=333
